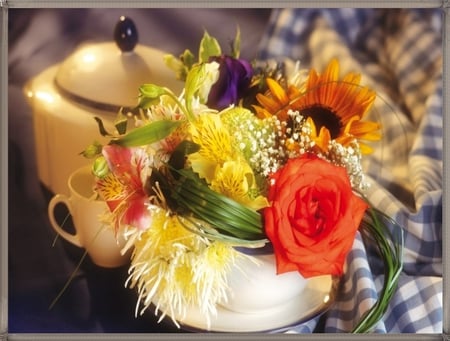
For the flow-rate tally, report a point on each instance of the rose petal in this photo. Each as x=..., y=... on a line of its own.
x=314, y=216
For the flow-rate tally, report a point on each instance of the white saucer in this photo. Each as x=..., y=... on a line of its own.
x=317, y=296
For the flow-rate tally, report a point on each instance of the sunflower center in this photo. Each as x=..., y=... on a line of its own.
x=324, y=117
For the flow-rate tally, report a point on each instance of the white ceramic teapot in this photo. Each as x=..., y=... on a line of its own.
x=95, y=80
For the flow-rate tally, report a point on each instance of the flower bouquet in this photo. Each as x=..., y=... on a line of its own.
x=246, y=156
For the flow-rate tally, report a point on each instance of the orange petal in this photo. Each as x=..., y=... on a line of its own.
x=261, y=113
x=328, y=79
x=268, y=103
x=323, y=139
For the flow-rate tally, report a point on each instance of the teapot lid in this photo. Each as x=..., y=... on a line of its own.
x=107, y=75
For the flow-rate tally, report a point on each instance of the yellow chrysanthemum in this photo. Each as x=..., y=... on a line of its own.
x=215, y=143
x=235, y=179
x=332, y=104
x=175, y=268
x=167, y=234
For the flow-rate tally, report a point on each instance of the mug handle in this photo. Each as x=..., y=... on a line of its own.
x=57, y=199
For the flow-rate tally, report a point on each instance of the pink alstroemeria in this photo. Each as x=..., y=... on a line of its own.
x=123, y=188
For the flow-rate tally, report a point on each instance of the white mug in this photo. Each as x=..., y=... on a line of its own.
x=98, y=238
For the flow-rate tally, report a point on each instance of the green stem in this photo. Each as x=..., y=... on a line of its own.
x=186, y=111
x=74, y=272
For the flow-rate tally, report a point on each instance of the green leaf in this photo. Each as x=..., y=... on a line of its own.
x=187, y=147
x=188, y=59
x=223, y=222
x=221, y=206
x=178, y=156
x=181, y=65
x=148, y=133
x=209, y=46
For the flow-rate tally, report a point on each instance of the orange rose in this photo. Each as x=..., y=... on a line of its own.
x=313, y=216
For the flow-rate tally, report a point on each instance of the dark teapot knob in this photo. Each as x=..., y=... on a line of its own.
x=125, y=34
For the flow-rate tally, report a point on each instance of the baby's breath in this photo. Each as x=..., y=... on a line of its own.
x=296, y=137
x=257, y=139
x=349, y=157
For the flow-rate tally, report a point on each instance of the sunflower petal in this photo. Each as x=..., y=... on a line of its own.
x=365, y=149
x=268, y=103
x=366, y=130
x=261, y=113
x=277, y=91
x=327, y=84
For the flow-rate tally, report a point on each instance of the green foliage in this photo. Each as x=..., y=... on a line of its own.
x=226, y=216
x=209, y=47
x=147, y=134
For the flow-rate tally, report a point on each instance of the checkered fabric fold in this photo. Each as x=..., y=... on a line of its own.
x=399, y=54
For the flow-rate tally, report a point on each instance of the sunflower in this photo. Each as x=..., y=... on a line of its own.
x=333, y=107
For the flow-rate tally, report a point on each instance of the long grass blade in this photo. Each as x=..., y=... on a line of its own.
x=390, y=247
x=216, y=205
x=225, y=214
x=207, y=231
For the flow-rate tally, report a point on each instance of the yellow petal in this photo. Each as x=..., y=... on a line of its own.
x=323, y=139
x=277, y=91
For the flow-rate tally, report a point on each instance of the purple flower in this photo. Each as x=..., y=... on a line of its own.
x=234, y=79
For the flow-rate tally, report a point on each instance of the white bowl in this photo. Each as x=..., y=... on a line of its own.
x=256, y=287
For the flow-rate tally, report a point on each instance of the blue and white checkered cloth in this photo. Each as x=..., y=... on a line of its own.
x=399, y=54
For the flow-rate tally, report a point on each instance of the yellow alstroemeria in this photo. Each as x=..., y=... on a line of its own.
x=216, y=145
x=235, y=179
